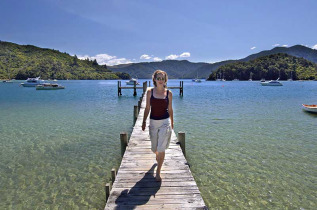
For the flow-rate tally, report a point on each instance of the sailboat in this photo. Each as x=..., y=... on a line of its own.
x=218, y=79
x=196, y=79
x=223, y=77
x=250, y=76
x=291, y=79
x=7, y=80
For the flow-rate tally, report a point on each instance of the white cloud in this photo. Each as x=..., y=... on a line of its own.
x=145, y=56
x=284, y=45
x=185, y=55
x=275, y=45
x=157, y=59
x=103, y=59
x=315, y=47
x=252, y=48
x=171, y=57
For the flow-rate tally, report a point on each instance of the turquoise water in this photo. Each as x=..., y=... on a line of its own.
x=249, y=146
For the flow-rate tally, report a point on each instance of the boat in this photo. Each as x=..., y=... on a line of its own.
x=291, y=78
x=7, y=81
x=131, y=81
x=262, y=80
x=196, y=80
x=250, y=77
x=310, y=108
x=236, y=80
x=32, y=82
x=49, y=86
x=272, y=83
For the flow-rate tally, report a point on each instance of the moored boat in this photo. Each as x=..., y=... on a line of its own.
x=310, y=108
x=7, y=81
x=131, y=81
x=49, y=86
x=32, y=82
x=272, y=83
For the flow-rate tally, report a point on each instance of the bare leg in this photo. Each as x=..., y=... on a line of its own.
x=156, y=153
x=161, y=156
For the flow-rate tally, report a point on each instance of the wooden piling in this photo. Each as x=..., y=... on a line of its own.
x=181, y=140
x=113, y=175
x=135, y=114
x=144, y=87
x=124, y=142
x=119, y=88
x=139, y=105
x=134, y=88
x=107, y=190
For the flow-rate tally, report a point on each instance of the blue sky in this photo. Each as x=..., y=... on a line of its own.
x=123, y=31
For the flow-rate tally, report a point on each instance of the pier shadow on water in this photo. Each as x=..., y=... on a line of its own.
x=140, y=193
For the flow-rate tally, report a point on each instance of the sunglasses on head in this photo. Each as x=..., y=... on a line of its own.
x=160, y=78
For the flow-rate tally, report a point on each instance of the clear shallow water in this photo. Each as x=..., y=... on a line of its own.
x=249, y=146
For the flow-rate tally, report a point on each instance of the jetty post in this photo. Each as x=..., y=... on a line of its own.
x=113, y=175
x=135, y=113
x=107, y=190
x=144, y=87
x=134, y=88
x=124, y=142
x=119, y=88
x=181, y=140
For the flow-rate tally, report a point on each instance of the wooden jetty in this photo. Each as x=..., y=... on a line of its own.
x=134, y=185
x=135, y=87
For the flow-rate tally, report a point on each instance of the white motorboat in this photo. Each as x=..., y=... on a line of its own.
x=131, y=81
x=32, y=82
x=197, y=80
x=49, y=86
x=310, y=108
x=272, y=83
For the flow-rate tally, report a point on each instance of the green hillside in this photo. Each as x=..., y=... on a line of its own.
x=23, y=61
x=270, y=67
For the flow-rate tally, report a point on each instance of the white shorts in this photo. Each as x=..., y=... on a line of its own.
x=160, y=134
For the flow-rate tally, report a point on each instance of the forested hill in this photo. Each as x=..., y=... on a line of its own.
x=23, y=61
x=269, y=67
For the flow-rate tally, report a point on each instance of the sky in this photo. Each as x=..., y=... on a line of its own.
x=124, y=31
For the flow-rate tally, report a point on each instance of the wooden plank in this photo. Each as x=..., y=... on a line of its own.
x=135, y=186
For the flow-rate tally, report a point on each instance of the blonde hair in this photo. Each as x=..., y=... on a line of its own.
x=159, y=72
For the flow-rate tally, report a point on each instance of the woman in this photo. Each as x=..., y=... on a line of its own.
x=159, y=101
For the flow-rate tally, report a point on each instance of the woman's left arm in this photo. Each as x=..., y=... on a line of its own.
x=170, y=108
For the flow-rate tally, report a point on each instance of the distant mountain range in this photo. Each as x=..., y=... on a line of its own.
x=185, y=69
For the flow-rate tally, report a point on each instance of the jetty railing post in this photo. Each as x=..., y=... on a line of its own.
x=124, y=142
x=134, y=88
x=144, y=86
x=113, y=175
x=149, y=83
x=182, y=88
x=119, y=88
x=135, y=114
x=139, y=105
x=181, y=140
x=107, y=190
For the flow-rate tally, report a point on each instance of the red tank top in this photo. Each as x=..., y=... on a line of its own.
x=159, y=107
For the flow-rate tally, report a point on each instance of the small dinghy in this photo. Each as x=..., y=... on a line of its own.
x=310, y=108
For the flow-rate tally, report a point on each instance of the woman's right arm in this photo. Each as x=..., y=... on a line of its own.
x=147, y=109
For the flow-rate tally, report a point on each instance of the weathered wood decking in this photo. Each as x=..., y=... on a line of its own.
x=135, y=186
